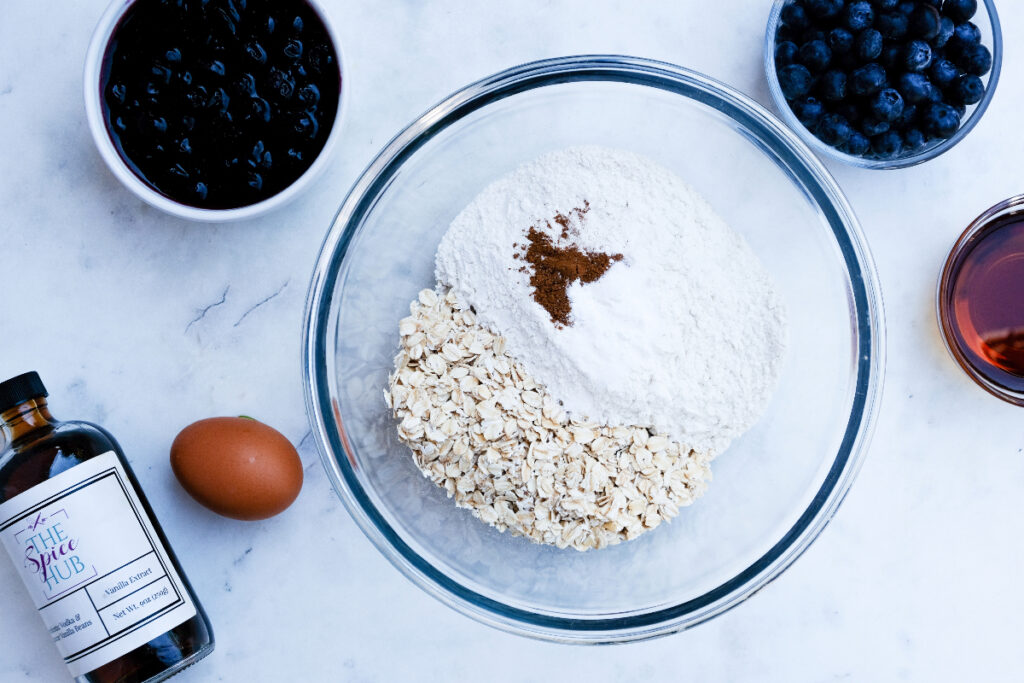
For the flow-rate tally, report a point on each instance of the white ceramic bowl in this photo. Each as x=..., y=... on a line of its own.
x=100, y=134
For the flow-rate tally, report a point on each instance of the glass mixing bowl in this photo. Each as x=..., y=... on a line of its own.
x=774, y=489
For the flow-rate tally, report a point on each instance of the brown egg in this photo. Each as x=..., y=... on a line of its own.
x=237, y=467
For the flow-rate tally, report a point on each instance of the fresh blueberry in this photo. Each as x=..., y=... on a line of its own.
x=872, y=127
x=918, y=56
x=815, y=55
x=887, y=145
x=795, y=80
x=867, y=80
x=965, y=34
x=824, y=8
x=907, y=118
x=786, y=52
x=833, y=85
x=868, y=44
x=886, y=105
x=960, y=109
x=913, y=87
x=959, y=10
x=892, y=56
x=933, y=94
x=886, y=4
x=794, y=16
x=975, y=59
x=946, y=28
x=833, y=130
x=913, y=139
x=940, y=120
x=892, y=25
x=859, y=15
x=967, y=89
x=943, y=72
x=906, y=7
x=857, y=145
x=924, y=21
x=840, y=40
x=808, y=111
x=848, y=110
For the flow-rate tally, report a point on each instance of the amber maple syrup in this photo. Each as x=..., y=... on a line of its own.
x=982, y=305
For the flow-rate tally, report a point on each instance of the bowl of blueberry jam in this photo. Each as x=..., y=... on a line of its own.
x=882, y=83
x=214, y=110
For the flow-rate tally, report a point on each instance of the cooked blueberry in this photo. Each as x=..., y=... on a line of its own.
x=975, y=59
x=216, y=66
x=185, y=147
x=924, y=21
x=840, y=40
x=200, y=191
x=119, y=125
x=886, y=105
x=794, y=16
x=245, y=84
x=259, y=110
x=859, y=15
x=824, y=9
x=795, y=80
x=219, y=100
x=309, y=95
x=959, y=10
x=808, y=111
x=832, y=85
x=967, y=89
x=892, y=25
x=913, y=139
x=255, y=180
x=913, y=87
x=815, y=55
x=293, y=49
x=173, y=56
x=178, y=170
x=943, y=72
x=188, y=122
x=295, y=154
x=307, y=125
x=940, y=120
x=255, y=52
x=833, y=130
x=917, y=56
x=887, y=145
x=118, y=92
x=161, y=73
x=867, y=80
x=872, y=127
x=857, y=145
x=158, y=124
x=868, y=44
x=185, y=77
x=946, y=28
x=297, y=24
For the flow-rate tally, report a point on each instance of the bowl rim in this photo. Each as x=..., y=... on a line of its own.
x=944, y=294
x=92, y=91
x=867, y=357
x=920, y=157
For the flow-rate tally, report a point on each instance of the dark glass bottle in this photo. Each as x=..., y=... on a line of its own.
x=37, y=449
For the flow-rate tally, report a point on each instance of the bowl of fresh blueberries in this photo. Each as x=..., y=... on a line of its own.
x=882, y=83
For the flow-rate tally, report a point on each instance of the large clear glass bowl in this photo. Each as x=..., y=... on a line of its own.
x=773, y=490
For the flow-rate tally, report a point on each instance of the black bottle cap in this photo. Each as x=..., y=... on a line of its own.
x=20, y=389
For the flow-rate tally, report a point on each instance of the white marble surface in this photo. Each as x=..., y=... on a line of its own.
x=144, y=323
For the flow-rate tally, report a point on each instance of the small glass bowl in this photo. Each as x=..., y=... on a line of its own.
x=991, y=36
x=122, y=171
x=774, y=489
x=944, y=296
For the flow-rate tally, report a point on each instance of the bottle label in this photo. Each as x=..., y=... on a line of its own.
x=93, y=564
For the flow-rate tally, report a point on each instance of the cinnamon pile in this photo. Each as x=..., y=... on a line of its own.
x=556, y=267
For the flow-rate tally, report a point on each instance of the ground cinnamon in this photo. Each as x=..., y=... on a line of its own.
x=554, y=267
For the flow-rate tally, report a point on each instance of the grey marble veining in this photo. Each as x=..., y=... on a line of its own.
x=145, y=323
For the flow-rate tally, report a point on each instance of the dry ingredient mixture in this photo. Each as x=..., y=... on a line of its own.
x=502, y=446
x=598, y=336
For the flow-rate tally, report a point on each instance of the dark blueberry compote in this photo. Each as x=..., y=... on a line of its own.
x=220, y=103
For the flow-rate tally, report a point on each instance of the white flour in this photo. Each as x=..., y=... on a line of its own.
x=685, y=334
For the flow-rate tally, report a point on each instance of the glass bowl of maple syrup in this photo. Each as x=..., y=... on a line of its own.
x=979, y=302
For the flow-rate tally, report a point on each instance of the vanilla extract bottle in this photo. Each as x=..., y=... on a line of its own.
x=86, y=543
